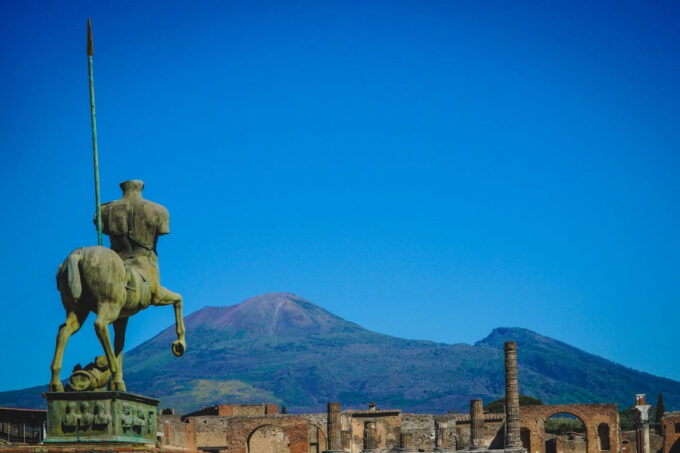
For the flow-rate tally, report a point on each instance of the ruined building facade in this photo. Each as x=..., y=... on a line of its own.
x=261, y=429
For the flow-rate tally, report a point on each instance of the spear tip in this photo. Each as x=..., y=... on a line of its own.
x=90, y=46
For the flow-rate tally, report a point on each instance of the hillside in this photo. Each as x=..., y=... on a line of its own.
x=281, y=348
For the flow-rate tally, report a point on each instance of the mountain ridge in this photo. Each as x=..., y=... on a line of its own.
x=282, y=348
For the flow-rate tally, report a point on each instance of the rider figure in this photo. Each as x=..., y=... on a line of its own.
x=133, y=224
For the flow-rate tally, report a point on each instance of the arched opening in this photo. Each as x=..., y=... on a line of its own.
x=603, y=435
x=565, y=433
x=525, y=437
x=317, y=439
x=268, y=439
x=675, y=448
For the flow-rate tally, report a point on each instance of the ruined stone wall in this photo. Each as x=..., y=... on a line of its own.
x=306, y=433
x=318, y=437
x=236, y=409
x=174, y=432
x=240, y=430
x=532, y=420
x=253, y=409
x=422, y=428
x=629, y=442
x=568, y=443
x=388, y=426
x=209, y=431
x=232, y=434
x=493, y=433
x=671, y=432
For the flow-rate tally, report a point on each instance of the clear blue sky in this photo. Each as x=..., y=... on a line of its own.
x=429, y=170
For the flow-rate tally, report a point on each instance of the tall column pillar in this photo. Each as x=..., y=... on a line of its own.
x=512, y=438
x=334, y=427
x=370, y=437
x=476, y=425
x=642, y=424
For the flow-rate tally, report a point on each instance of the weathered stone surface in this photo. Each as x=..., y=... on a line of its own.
x=477, y=424
x=512, y=432
x=671, y=432
x=387, y=427
x=592, y=415
x=236, y=434
x=370, y=436
x=334, y=427
x=77, y=417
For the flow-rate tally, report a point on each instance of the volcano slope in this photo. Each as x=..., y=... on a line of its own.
x=281, y=348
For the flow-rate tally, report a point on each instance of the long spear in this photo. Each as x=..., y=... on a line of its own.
x=90, y=53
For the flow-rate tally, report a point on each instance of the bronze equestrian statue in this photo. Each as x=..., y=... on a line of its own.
x=118, y=282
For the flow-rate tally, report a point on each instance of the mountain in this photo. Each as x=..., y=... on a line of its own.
x=282, y=348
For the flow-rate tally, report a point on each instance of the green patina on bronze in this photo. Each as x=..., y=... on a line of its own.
x=116, y=283
x=100, y=417
x=95, y=376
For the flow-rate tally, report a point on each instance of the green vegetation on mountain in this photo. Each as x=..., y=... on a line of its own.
x=498, y=406
x=281, y=348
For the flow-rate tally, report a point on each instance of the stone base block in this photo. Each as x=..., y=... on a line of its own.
x=100, y=417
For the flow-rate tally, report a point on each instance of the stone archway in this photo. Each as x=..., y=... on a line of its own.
x=565, y=432
x=533, y=418
x=317, y=439
x=268, y=439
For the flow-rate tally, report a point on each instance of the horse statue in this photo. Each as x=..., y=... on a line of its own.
x=118, y=282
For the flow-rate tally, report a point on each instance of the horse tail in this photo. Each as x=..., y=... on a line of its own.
x=75, y=287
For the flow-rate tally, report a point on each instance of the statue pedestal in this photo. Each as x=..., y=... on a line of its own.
x=100, y=417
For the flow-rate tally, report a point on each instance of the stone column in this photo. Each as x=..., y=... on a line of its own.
x=476, y=425
x=405, y=443
x=334, y=427
x=346, y=437
x=441, y=439
x=512, y=438
x=642, y=424
x=370, y=437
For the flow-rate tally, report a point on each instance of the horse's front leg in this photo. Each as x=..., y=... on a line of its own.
x=106, y=314
x=169, y=297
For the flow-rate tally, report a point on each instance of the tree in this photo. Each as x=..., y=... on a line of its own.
x=498, y=406
x=660, y=409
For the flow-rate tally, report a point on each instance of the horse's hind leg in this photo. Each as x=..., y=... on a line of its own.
x=71, y=326
x=119, y=327
x=106, y=314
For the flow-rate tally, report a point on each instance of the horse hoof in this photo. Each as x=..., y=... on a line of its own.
x=56, y=387
x=178, y=348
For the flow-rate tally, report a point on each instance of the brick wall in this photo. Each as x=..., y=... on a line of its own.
x=532, y=419
x=231, y=434
x=671, y=432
